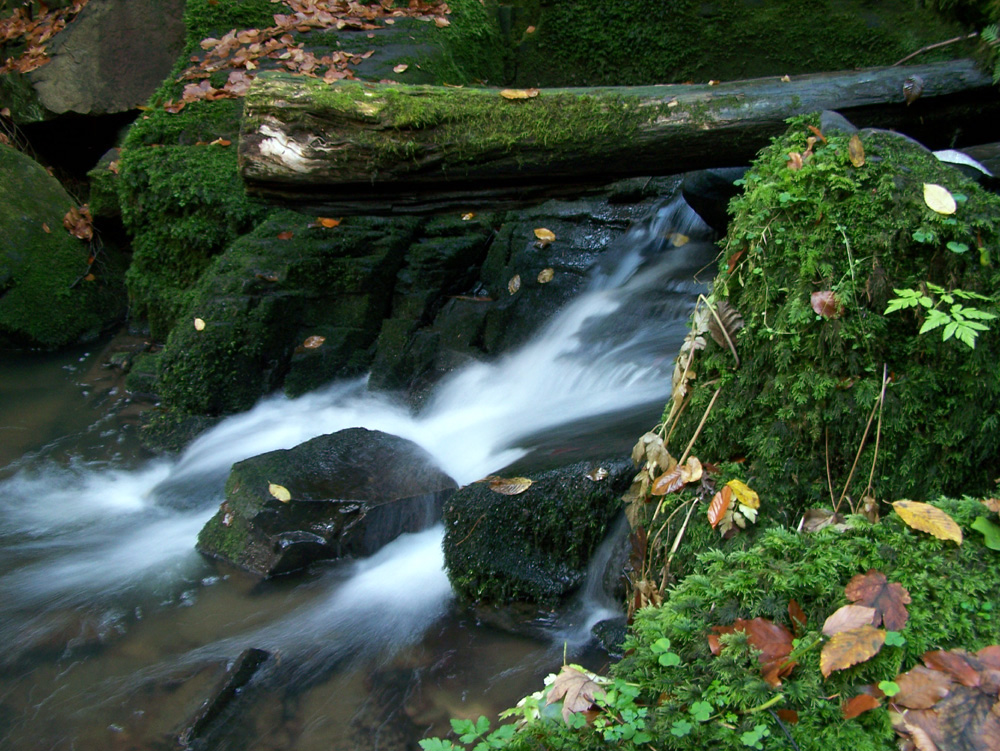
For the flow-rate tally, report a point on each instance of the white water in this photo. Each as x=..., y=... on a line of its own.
x=99, y=539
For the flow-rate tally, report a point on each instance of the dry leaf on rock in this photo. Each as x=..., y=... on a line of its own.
x=848, y=618
x=596, y=475
x=313, y=342
x=849, y=648
x=279, y=491
x=730, y=319
x=545, y=236
x=577, y=690
x=856, y=151
x=929, y=519
x=509, y=485
x=546, y=275
x=888, y=598
x=939, y=199
x=78, y=223
x=327, y=222
x=514, y=284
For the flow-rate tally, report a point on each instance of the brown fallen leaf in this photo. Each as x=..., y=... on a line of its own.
x=314, y=342
x=772, y=639
x=826, y=304
x=929, y=519
x=719, y=505
x=848, y=618
x=849, y=648
x=597, y=474
x=856, y=151
x=888, y=598
x=509, y=485
x=796, y=615
x=514, y=284
x=858, y=705
x=576, y=689
x=327, y=222
x=545, y=236
x=78, y=223
x=286, y=235
x=400, y=68
x=993, y=504
x=921, y=687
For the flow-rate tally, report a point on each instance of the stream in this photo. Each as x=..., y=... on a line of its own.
x=115, y=630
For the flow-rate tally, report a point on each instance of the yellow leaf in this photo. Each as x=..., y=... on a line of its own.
x=313, y=342
x=939, y=199
x=786, y=79
x=929, y=519
x=514, y=284
x=400, y=68
x=545, y=276
x=468, y=216
x=545, y=235
x=856, y=151
x=744, y=494
x=519, y=93
x=509, y=485
x=279, y=491
x=677, y=239
x=848, y=648
x=199, y=325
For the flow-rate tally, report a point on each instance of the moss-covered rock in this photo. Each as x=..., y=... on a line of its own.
x=266, y=295
x=798, y=406
x=534, y=546
x=351, y=493
x=955, y=592
x=576, y=43
x=46, y=298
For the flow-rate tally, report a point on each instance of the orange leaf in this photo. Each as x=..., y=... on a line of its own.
x=772, y=639
x=733, y=259
x=669, y=482
x=89, y=278
x=921, y=687
x=850, y=648
x=720, y=502
x=788, y=715
x=220, y=142
x=326, y=222
x=796, y=614
x=888, y=598
x=929, y=519
x=818, y=133
x=858, y=705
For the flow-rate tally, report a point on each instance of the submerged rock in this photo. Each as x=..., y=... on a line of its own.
x=351, y=493
x=533, y=546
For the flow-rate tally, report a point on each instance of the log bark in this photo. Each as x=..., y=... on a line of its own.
x=385, y=148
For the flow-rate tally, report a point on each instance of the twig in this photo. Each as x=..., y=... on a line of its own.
x=784, y=729
x=677, y=544
x=471, y=530
x=945, y=43
x=701, y=425
x=878, y=428
x=829, y=480
x=861, y=448
x=722, y=328
x=656, y=537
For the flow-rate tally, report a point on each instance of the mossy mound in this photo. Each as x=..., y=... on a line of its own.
x=797, y=406
x=46, y=298
x=955, y=593
x=266, y=295
x=574, y=43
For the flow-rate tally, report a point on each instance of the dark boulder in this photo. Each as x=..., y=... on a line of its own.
x=351, y=493
x=534, y=546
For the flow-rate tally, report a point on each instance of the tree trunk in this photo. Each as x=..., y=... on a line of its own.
x=383, y=148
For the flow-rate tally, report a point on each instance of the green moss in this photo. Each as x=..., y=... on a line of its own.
x=801, y=398
x=953, y=589
x=598, y=43
x=45, y=299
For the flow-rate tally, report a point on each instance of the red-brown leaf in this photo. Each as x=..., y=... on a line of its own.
x=858, y=705
x=888, y=598
x=826, y=304
x=921, y=688
x=849, y=648
x=772, y=639
x=797, y=615
x=954, y=664
x=668, y=482
x=733, y=260
x=720, y=502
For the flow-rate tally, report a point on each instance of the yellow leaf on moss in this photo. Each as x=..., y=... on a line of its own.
x=939, y=199
x=744, y=494
x=929, y=519
x=199, y=324
x=849, y=648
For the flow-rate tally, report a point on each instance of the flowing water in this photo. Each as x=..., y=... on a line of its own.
x=114, y=630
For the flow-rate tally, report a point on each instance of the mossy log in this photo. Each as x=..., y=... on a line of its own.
x=383, y=148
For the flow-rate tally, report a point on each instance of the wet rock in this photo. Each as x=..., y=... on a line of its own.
x=351, y=493
x=109, y=59
x=46, y=297
x=709, y=191
x=610, y=634
x=534, y=546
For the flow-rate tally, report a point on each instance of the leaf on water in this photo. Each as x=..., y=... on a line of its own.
x=719, y=505
x=519, y=93
x=888, y=598
x=848, y=618
x=279, y=491
x=313, y=342
x=929, y=519
x=989, y=531
x=546, y=275
x=731, y=320
x=856, y=151
x=939, y=199
x=744, y=494
x=677, y=239
x=577, y=689
x=826, y=304
x=849, y=648
x=401, y=68
x=596, y=475
x=514, y=284
x=786, y=78
x=545, y=235
x=509, y=485
x=199, y=324
x=859, y=705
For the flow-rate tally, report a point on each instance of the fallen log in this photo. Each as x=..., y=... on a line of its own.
x=385, y=148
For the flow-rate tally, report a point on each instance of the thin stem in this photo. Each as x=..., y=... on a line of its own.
x=912, y=55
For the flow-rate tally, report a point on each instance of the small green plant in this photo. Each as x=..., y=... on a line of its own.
x=468, y=732
x=991, y=36
x=959, y=321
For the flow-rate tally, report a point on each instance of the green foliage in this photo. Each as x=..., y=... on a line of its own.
x=991, y=37
x=798, y=406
